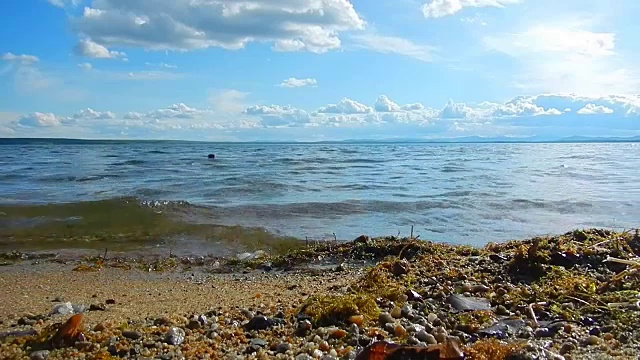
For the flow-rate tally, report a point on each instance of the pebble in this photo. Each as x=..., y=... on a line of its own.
x=543, y=333
x=303, y=357
x=175, y=336
x=400, y=331
x=426, y=337
x=566, y=348
x=502, y=310
x=259, y=322
x=97, y=307
x=133, y=335
x=396, y=312
x=385, y=318
x=39, y=355
x=432, y=317
x=283, y=348
x=592, y=340
x=480, y=289
x=194, y=324
x=440, y=337
x=595, y=331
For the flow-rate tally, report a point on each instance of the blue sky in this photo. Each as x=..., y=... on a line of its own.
x=318, y=69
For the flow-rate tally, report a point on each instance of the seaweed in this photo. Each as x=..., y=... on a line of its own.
x=326, y=310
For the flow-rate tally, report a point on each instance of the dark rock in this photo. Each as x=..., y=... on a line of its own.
x=260, y=322
x=413, y=296
x=194, y=324
x=133, y=335
x=211, y=156
x=110, y=302
x=595, y=331
x=497, y=258
x=97, y=307
x=123, y=352
x=587, y=321
x=113, y=350
x=564, y=259
x=543, y=333
x=400, y=267
x=283, y=348
x=362, y=239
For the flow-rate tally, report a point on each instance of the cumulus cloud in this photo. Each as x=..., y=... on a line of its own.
x=593, y=109
x=22, y=59
x=90, y=114
x=275, y=115
x=454, y=110
x=92, y=49
x=523, y=105
x=291, y=25
x=346, y=106
x=38, y=119
x=441, y=8
x=384, y=104
x=296, y=83
x=180, y=111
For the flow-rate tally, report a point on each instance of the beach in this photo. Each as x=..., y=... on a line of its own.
x=553, y=297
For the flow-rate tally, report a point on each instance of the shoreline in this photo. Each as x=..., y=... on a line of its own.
x=571, y=296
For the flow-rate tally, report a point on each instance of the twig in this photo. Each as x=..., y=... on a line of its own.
x=533, y=314
x=411, y=231
x=105, y=254
x=622, y=261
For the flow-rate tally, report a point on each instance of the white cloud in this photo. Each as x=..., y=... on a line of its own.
x=63, y=3
x=90, y=114
x=85, y=66
x=162, y=65
x=88, y=48
x=133, y=115
x=346, y=106
x=593, y=109
x=292, y=25
x=150, y=75
x=441, y=8
x=523, y=106
x=22, y=59
x=229, y=100
x=275, y=115
x=566, y=58
x=394, y=45
x=454, y=110
x=547, y=39
x=295, y=83
x=384, y=104
x=179, y=110
x=38, y=119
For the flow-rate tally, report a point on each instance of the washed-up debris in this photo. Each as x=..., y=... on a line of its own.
x=69, y=333
x=383, y=350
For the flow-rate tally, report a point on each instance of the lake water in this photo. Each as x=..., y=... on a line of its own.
x=463, y=193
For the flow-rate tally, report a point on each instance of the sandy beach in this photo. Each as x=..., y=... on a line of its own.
x=543, y=298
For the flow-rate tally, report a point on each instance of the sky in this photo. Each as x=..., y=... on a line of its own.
x=312, y=70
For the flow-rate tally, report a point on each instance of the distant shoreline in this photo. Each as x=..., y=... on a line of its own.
x=471, y=140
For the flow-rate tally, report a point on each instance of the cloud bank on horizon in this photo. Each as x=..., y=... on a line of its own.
x=318, y=69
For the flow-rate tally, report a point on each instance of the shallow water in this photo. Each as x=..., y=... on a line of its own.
x=461, y=193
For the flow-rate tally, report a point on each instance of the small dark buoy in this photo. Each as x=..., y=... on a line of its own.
x=212, y=156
